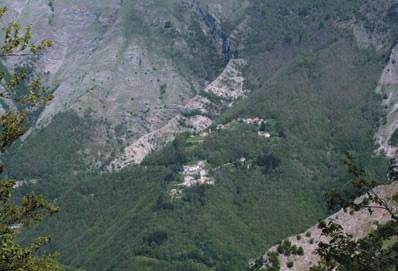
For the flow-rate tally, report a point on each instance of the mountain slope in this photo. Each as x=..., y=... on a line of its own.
x=312, y=68
x=358, y=224
x=129, y=66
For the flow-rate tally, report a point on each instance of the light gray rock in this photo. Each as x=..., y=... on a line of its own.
x=109, y=62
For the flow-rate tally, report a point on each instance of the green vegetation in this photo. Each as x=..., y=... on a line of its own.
x=162, y=90
x=26, y=213
x=300, y=251
x=198, y=57
x=376, y=251
x=15, y=216
x=51, y=5
x=274, y=260
x=212, y=97
x=394, y=138
x=59, y=152
x=220, y=227
x=313, y=81
x=287, y=249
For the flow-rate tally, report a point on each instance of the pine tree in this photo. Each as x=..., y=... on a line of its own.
x=30, y=96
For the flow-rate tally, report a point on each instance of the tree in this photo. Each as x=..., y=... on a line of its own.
x=300, y=251
x=30, y=96
x=263, y=126
x=371, y=253
x=343, y=252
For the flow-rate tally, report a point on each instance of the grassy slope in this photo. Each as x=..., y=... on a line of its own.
x=317, y=86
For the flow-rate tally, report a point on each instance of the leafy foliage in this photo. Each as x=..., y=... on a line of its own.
x=316, y=85
x=343, y=252
x=362, y=185
x=12, y=218
x=32, y=208
x=199, y=56
x=55, y=158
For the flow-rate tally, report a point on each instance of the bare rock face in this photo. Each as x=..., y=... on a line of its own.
x=111, y=62
x=374, y=27
x=228, y=87
x=387, y=87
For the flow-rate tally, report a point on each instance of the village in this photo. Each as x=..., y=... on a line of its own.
x=197, y=173
x=192, y=174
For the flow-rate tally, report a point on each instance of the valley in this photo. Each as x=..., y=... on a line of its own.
x=196, y=134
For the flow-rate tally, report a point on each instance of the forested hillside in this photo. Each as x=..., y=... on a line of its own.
x=310, y=79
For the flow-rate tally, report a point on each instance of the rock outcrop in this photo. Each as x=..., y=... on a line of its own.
x=226, y=89
x=359, y=224
x=111, y=62
x=388, y=88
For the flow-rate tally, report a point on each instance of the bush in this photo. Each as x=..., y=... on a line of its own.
x=286, y=244
x=156, y=238
x=280, y=249
x=263, y=127
x=268, y=162
x=294, y=250
x=300, y=251
x=274, y=260
x=290, y=264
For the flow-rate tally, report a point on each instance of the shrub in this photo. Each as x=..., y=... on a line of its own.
x=167, y=24
x=294, y=250
x=274, y=260
x=286, y=244
x=280, y=249
x=268, y=162
x=300, y=251
x=263, y=127
x=156, y=237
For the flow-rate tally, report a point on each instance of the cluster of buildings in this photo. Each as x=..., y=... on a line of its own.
x=193, y=174
x=196, y=174
x=252, y=121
